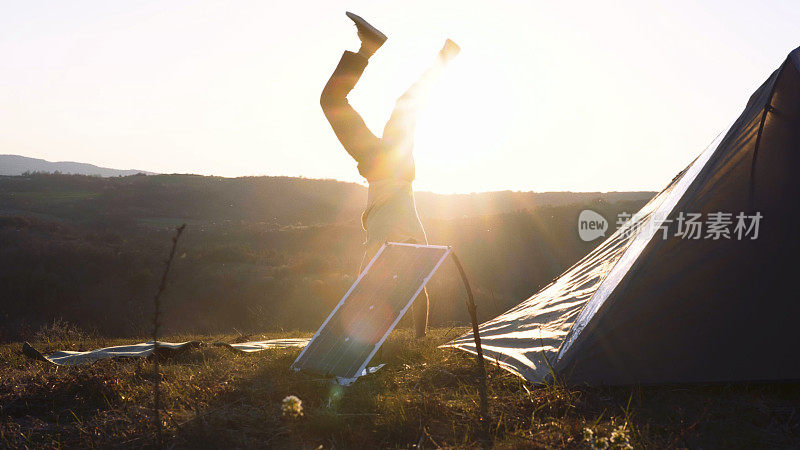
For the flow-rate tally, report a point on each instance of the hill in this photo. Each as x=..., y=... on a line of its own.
x=18, y=165
x=259, y=253
x=81, y=258
x=277, y=200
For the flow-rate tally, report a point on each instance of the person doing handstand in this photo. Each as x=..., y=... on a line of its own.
x=386, y=162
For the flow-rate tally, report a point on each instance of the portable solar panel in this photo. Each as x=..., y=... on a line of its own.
x=369, y=311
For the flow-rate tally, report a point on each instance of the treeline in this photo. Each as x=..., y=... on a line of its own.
x=258, y=254
x=274, y=200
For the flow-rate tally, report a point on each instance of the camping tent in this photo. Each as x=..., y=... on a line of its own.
x=655, y=304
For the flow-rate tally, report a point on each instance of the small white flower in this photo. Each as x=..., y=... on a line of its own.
x=292, y=406
x=600, y=443
x=619, y=435
x=619, y=439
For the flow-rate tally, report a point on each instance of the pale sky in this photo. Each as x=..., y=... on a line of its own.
x=581, y=96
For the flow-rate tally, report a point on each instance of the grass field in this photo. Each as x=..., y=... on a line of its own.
x=423, y=397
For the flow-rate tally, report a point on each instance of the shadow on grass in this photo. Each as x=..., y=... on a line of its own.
x=423, y=397
x=427, y=397
x=419, y=396
x=65, y=395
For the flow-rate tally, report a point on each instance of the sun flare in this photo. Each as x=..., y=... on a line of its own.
x=469, y=114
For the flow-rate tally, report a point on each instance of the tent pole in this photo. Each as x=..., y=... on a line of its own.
x=473, y=315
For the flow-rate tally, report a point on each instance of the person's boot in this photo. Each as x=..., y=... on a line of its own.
x=371, y=38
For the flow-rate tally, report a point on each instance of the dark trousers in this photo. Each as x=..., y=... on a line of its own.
x=389, y=156
x=348, y=125
x=377, y=158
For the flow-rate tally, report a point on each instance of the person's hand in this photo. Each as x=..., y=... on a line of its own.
x=449, y=51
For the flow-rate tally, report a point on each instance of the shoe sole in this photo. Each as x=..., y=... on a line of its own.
x=360, y=22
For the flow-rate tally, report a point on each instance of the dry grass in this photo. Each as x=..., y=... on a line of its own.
x=424, y=397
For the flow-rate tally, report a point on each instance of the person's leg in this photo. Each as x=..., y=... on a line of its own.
x=348, y=125
x=369, y=253
x=399, y=130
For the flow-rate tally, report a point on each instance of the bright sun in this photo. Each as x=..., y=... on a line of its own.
x=467, y=117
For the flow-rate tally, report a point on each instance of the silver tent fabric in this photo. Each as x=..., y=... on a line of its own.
x=641, y=308
x=257, y=346
x=145, y=349
x=526, y=339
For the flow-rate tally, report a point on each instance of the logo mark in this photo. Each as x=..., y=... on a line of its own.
x=591, y=225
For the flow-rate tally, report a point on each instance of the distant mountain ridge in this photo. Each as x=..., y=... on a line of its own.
x=272, y=199
x=13, y=165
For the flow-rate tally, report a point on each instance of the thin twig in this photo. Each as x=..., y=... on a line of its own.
x=156, y=323
x=472, y=309
x=473, y=313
